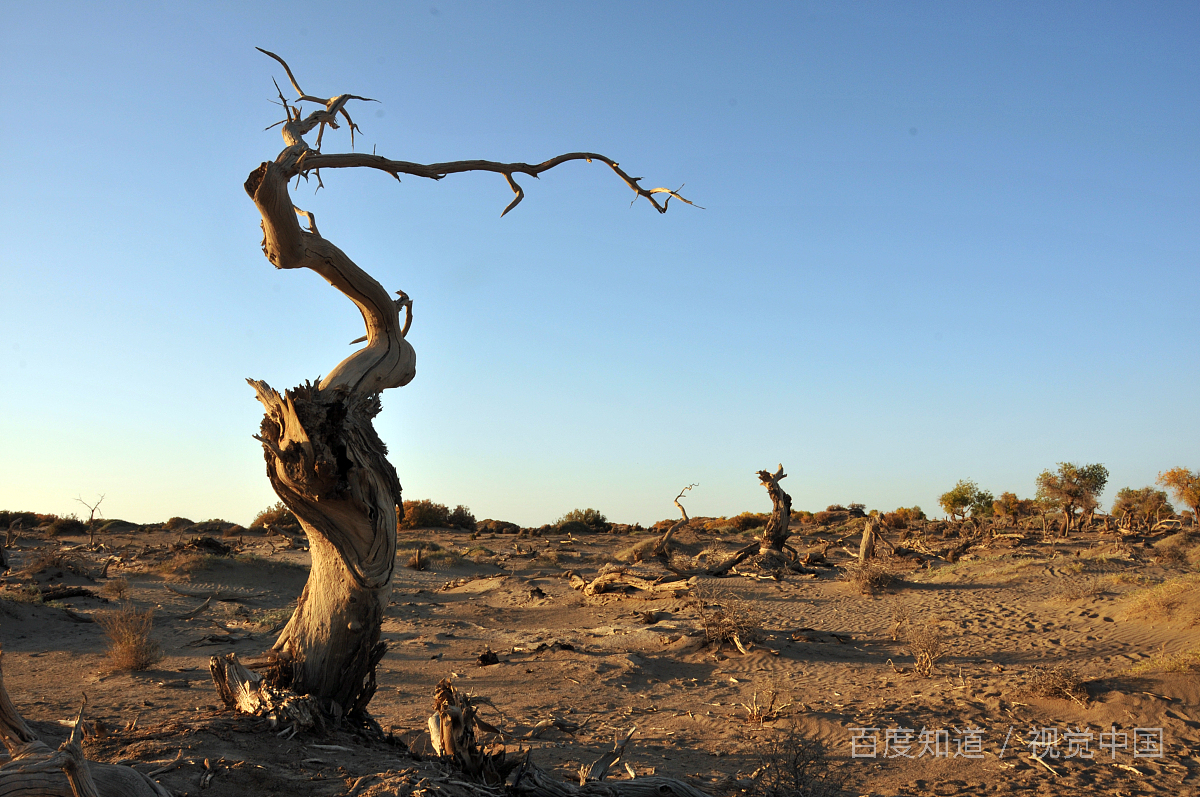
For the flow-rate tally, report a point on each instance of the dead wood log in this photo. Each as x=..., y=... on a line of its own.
x=776, y=532
x=35, y=770
x=619, y=580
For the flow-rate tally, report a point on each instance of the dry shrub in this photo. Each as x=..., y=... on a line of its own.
x=177, y=523
x=1059, y=682
x=115, y=588
x=767, y=711
x=749, y=520
x=725, y=617
x=870, y=576
x=424, y=514
x=130, y=646
x=927, y=646
x=901, y=620
x=793, y=765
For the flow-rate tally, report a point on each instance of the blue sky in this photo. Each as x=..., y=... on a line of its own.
x=940, y=241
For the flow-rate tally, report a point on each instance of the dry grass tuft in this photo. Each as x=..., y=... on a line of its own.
x=768, y=711
x=870, y=576
x=926, y=644
x=1156, y=603
x=130, y=646
x=1185, y=661
x=725, y=617
x=1059, y=682
x=186, y=563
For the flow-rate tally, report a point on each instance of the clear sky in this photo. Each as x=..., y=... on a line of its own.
x=940, y=241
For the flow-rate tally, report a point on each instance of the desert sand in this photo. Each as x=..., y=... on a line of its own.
x=577, y=671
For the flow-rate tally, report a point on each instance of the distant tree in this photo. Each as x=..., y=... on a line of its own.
x=1185, y=486
x=1072, y=487
x=1142, y=507
x=1011, y=508
x=966, y=497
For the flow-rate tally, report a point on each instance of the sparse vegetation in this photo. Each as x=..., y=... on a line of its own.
x=1059, y=682
x=870, y=576
x=1160, y=602
x=185, y=563
x=724, y=617
x=115, y=589
x=794, y=765
x=130, y=646
x=926, y=645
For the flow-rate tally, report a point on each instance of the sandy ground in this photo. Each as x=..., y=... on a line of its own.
x=1120, y=612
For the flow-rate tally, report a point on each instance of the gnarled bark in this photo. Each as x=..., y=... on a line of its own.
x=324, y=459
x=776, y=532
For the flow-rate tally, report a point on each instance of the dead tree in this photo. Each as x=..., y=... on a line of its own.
x=93, y=509
x=662, y=546
x=324, y=458
x=776, y=532
x=35, y=770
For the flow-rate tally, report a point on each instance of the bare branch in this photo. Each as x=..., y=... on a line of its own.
x=436, y=171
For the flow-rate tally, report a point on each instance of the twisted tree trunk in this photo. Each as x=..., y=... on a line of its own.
x=776, y=532
x=324, y=459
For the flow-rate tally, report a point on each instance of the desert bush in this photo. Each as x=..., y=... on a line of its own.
x=768, y=710
x=926, y=645
x=793, y=765
x=1059, y=682
x=130, y=646
x=749, y=520
x=801, y=516
x=902, y=517
x=588, y=517
x=574, y=527
x=424, y=514
x=276, y=516
x=461, y=518
x=836, y=508
x=25, y=520
x=724, y=617
x=115, y=588
x=68, y=524
x=177, y=523
x=869, y=576
x=497, y=527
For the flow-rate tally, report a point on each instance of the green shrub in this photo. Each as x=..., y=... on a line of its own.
x=588, y=517
x=26, y=520
x=749, y=520
x=424, y=514
x=276, y=516
x=66, y=525
x=461, y=518
x=574, y=527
